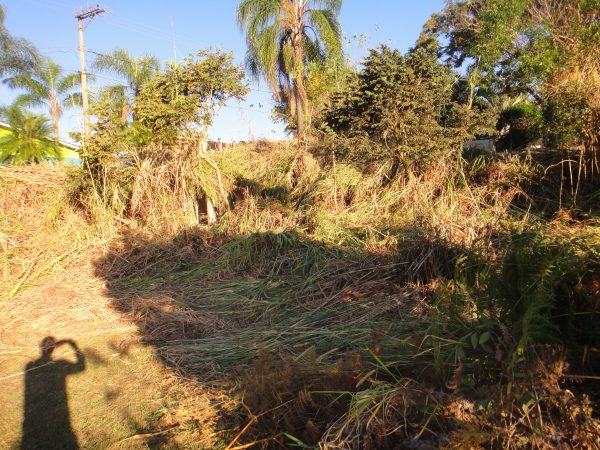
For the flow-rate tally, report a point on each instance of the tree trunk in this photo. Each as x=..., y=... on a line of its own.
x=301, y=103
x=124, y=111
x=300, y=91
x=55, y=124
x=299, y=117
x=54, y=112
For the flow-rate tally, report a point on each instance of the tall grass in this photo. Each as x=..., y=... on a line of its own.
x=40, y=231
x=359, y=305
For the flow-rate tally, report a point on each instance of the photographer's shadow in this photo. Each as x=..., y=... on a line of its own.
x=46, y=417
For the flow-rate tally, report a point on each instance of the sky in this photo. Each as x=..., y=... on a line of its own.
x=170, y=29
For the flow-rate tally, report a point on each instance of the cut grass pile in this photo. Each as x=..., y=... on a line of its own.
x=353, y=309
x=301, y=295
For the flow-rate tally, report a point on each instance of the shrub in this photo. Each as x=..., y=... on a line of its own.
x=520, y=125
x=399, y=101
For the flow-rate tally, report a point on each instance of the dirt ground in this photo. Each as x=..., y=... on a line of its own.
x=93, y=385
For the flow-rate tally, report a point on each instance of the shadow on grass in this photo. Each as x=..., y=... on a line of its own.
x=280, y=315
x=46, y=416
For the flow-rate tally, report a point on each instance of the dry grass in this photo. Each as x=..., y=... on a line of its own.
x=332, y=305
x=125, y=396
x=41, y=233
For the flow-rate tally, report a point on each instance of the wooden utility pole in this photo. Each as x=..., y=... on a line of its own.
x=88, y=13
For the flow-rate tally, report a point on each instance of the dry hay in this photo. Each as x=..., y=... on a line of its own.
x=160, y=318
x=44, y=175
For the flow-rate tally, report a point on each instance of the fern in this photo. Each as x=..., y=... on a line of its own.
x=537, y=288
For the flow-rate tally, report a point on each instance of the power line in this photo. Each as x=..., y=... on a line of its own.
x=134, y=26
x=107, y=55
x=246, y=109
x=152, y=31
x=127, y=24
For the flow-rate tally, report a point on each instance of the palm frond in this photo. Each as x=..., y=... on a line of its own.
x=29, y=84
x=72, y=100
x=29, y=100
x=265, y=50
x=135, y=71
x=16, y=55
x=68, y=83
x=118, y=61
x=313, y=50
x=254, y=15
x=29, y=139
x=331, y=5
x=326, y=27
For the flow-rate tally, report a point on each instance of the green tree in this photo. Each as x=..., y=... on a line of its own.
x=284, y=37
x=322, y=81
x=30, y=137
x=134, y=71
x=399, y=101
x=547, y=49
x=16, y=54
x=185, y=97
x=519, y=125
x=47, y=86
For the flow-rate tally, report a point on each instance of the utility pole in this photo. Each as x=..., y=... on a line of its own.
x=88, y=13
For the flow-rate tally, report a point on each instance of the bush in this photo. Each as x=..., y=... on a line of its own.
x=520, y=125
x=400, y=102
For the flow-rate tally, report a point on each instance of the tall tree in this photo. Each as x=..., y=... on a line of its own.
x=402, y=102
x=284, y=37
x=548, y=49
x=134, y=71
x=15, y=54
x=48, y=86
x=30, y=137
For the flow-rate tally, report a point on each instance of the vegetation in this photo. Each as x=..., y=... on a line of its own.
x=547, y=50
x=284, y=38
x=375, y=287
x=47, y=86
x=29, y=140
x=185, y=98
x=403, y=103
x=16, y=54
x=134, y=71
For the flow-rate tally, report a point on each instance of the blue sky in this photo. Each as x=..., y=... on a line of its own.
x=144, y=26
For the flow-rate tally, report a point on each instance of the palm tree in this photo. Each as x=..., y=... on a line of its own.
x=15, y=54
x=30, y=137
x=134, y=71
x=47, y=86
x=283, y=37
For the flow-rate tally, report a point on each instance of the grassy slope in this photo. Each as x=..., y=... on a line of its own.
x=340, y=302
x=339, y=306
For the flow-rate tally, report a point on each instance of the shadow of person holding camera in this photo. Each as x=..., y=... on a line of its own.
x=46, y=417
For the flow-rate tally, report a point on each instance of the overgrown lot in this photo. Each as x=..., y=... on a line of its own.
x=336, y=307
